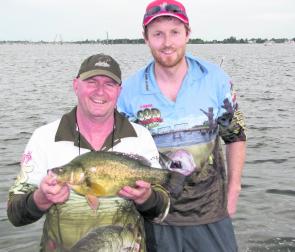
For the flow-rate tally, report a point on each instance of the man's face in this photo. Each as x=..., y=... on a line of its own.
x=97, y=96
x=167, y=38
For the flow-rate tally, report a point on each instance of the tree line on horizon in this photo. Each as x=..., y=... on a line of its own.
x=230, y=40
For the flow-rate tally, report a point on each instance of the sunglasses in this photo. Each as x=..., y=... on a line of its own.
x=172, y=8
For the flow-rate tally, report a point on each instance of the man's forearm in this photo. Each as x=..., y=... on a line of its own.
x=235, y=156
x=157, y=204
x=22, y=210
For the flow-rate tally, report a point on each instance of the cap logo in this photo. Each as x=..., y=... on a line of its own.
x=102, y=64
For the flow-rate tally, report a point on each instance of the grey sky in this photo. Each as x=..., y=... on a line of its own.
x=91, y=19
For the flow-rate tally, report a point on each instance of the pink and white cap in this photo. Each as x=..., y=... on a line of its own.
x=160, y=8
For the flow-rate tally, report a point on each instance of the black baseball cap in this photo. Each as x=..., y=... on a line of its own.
x=100, y=64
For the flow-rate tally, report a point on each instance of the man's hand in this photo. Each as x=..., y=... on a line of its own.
x=232, y=201
x=139, y=194
x=235, y=157
x=50, y=192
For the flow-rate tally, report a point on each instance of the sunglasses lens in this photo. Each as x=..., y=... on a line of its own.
x=153, y=11
x=172, y=8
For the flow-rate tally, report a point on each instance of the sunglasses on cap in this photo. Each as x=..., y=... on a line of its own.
x=172, y=8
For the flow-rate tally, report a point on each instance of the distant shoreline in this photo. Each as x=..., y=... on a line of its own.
x=230, y=40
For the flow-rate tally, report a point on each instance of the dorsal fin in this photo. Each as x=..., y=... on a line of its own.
x=137, y=157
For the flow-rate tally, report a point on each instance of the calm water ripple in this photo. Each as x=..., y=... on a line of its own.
x=36, y=88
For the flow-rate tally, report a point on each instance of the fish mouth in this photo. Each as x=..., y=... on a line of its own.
x=53, y=170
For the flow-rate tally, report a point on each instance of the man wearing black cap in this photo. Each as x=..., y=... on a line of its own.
x=195, y=105
x=93, y=125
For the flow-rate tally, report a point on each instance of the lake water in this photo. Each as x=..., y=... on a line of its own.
x=36, y=88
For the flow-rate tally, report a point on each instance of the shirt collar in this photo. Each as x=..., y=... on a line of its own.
x=196, y=70
x=68, y=131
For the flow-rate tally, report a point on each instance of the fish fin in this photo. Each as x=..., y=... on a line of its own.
x=137, y=157
x=79, y=189
x=93, y=201
x=97, y=190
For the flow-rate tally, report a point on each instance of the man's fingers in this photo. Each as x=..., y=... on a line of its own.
x=143, y=184
x=59, y=195
x=139, y=194
x=125, y=193
x=49, y=180
x=132, y=193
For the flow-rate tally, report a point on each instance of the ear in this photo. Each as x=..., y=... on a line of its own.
x=75, y=85
x=145, y=37
x=119, y=91
x=188, y=33
x=187, y=39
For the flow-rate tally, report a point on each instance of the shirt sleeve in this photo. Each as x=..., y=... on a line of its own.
x=157, y=206
x=21, y=208
x=230, y=120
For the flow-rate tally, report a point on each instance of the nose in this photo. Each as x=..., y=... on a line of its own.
x=167, y=40
x=99, y=87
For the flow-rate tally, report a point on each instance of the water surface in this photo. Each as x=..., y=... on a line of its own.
x=36, y=88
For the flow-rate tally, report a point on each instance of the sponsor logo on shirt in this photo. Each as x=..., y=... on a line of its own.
x=148, y=116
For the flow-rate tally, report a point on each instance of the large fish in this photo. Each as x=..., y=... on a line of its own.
x=109, y=238
x=102, y=173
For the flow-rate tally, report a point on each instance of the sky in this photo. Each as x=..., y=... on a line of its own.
x=74, y=20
